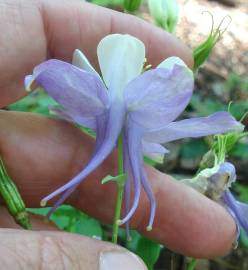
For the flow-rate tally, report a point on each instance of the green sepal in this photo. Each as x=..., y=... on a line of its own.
x=202, y=52
x=121, y=178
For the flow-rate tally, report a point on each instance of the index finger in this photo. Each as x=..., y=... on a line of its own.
x=34, y=30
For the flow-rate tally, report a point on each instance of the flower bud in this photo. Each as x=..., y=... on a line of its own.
x=202, y=52
x=165, y=13
x=132, y=5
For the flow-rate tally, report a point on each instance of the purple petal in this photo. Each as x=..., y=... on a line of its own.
x=154, y=151
x=240, y=210
x=135, y=156
x=220, y=122
x=80, y=92
x=152, y=148
x=147, y=187
x=114, y=126
x=127, y=190
x=89, y=122
x=100, y=135
x=61, y=200
x=158, y=96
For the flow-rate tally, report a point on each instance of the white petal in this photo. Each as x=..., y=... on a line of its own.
x=121, y=59
x=80, y=60
x=169, y=63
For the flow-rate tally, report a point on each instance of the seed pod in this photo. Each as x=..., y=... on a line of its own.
x=13, y=199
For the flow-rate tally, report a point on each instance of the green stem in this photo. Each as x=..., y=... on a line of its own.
x=192, y=264
x=120, y=190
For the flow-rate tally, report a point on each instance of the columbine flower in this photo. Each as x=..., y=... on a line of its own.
x=140, y=106
x=215, y=184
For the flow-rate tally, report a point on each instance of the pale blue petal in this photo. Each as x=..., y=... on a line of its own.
x=121, y=59
x=89, y=122
x=76, y=90
x=220, y=122
x=101, y=121
x=129, y=181
x=152, y=148
x=154, y=151
x=113, y=129
x=147, y=187
x=240, y=210
x=135, y=155
x=158, y=96
x=61, y=200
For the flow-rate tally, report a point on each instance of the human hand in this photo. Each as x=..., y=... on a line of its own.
x=42, y=153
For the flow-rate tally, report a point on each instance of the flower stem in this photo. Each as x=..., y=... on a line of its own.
x=120, y=190
x=192, y=264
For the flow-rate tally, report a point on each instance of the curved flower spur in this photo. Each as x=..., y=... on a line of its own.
x=140, y=107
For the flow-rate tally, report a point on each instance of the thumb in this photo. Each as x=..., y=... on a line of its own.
x=56, y=250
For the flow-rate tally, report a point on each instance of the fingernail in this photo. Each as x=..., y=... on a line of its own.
x=121, y=260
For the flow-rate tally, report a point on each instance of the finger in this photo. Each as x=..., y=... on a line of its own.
x=61, y=26
x=54, y=250
x=38, y=222
x=42, y=153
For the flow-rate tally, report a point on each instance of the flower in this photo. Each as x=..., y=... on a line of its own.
x=140, y=106
x=215, y=183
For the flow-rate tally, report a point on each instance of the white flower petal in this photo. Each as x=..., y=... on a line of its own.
x=121, y=59
x=169, y=63
x=80, y=60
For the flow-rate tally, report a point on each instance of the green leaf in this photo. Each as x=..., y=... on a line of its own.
x=88, y=226
x=242, y=191
x=39, y=211
x=153, y=161
x=133, y=244
x=119, y=178
x=70, y=219
x=37, y=102
x=243, y=238
x=149, y=251
x=240, y=150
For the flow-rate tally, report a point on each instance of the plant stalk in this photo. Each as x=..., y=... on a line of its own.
x=120, y=191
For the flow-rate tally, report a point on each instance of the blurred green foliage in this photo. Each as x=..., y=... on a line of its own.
x=36, y=102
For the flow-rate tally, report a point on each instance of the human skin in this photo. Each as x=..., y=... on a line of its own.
x=41, y=153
